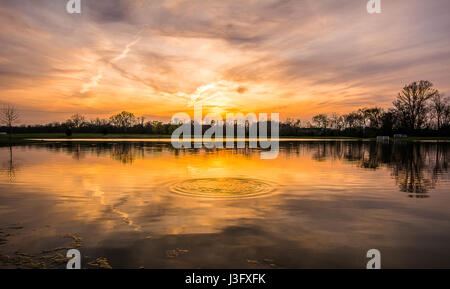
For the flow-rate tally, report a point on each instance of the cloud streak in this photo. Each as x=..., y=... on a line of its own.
x=96, y=79
x=297, y=57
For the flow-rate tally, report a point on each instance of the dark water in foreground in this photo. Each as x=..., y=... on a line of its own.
x=318, y=205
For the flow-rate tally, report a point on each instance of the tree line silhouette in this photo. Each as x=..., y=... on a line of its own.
x=418, y=110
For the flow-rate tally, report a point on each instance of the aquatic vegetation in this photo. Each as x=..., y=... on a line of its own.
x=101, y=263
x=176, y=253
x=48, y=258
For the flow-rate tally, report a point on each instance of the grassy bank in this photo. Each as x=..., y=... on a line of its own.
x=28, y=138
x=361, y=138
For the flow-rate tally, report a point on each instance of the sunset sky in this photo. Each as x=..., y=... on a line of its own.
x=153, y=58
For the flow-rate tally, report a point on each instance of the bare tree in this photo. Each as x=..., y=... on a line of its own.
x=336, y=121
x=439, y=105
x=354, y=120
x=321, y=121
x=8, y=117
x=411, y=103
x=372, y=116
x=76, y=121
x=124, y=120
x=446, y=116
x=141, y=121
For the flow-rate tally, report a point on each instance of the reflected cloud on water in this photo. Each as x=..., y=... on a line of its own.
x=416, y=167
x=318, y=205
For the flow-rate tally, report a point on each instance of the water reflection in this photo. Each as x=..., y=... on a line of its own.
x=416, y=167
x=222, y=188
x=10, y=166
x=318, y=205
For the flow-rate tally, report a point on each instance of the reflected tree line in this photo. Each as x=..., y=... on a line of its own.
x=416, y=167
x=128, y=152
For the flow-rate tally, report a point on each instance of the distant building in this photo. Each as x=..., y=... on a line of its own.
x=400, y=135
x=382, y=138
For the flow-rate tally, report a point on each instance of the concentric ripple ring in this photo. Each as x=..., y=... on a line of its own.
x=222, y=188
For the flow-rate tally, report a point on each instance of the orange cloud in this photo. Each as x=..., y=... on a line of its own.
x=297, y=58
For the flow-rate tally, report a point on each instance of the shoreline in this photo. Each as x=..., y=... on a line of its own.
x=93, y=137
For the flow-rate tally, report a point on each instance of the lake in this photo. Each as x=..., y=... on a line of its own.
x=319, y=204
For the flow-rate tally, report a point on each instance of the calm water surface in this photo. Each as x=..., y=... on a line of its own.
x=144, y=204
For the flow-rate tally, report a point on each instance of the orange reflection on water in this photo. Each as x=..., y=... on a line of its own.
x=318, y=196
